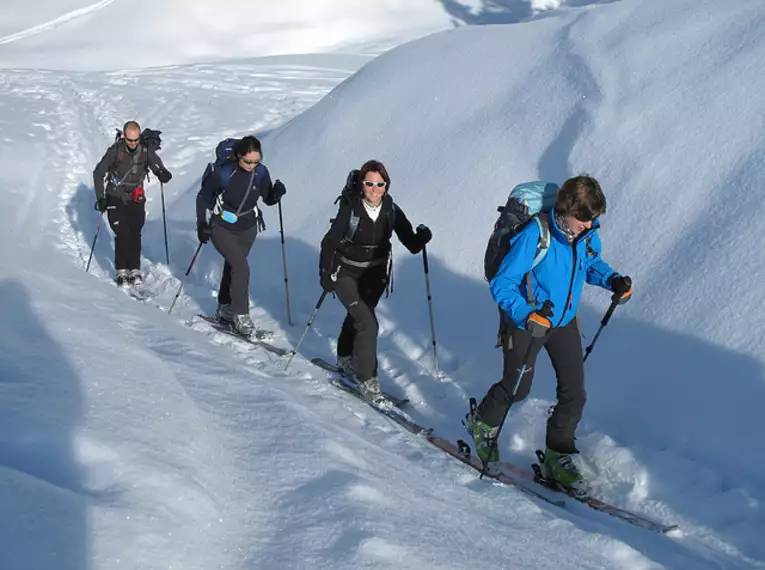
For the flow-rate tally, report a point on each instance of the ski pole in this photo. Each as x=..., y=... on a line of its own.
x=545, y=311
x=293, y=352
x=430, y=308
x=93, y=247
x=164, y=220
x=178, y=294
x=284, y=263
x=606, y=318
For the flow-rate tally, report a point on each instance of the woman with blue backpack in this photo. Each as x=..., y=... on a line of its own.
x=537, y=286
x=227, y=212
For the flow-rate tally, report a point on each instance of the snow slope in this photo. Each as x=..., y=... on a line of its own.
x=119, y=34
x=116, y=34
x=137, y=440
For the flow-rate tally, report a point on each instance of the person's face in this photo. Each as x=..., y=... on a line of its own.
x=132, y=138
x=576, y=226
x=373, y=187
x=249, y=161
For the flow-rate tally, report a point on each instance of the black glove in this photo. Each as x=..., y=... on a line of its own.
x=204, y=231
x=622, y=288
x=164, y=176
x=424, y=234
x=325, y=279
x=278, y=191
x=100, y=205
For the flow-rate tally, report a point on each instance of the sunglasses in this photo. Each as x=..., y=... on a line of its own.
x=249, y=161
x=133, y=140
x=370, y=184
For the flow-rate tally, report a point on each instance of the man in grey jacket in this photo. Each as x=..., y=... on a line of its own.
x=118, y=181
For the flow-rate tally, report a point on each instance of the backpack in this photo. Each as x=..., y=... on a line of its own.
x=349, y=190
x=225, y=160
x=149, y=140
x=526, y=202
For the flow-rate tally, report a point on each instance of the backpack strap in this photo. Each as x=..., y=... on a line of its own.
x=226, y=173
x=543, y=222
x=247, y=193
x=353, y=225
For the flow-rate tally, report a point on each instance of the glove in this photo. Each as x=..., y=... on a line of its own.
x=204, y=231
x=100, y=205
x=538, y=325
x=278, y=190
x=622, y=288
x=424, y=234
x=164, y=176
x=325, y=279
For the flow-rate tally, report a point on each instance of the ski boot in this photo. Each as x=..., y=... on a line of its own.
x=123, y=277
x=345, y=363
x=371, y=391
x=484, y=439
x=223, y=313
x=559, y=468
x=243, y=325
x=135, y=277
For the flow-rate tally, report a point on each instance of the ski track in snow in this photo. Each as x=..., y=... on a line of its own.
x=55, y=23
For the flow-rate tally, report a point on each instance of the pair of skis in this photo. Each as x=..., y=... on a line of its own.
x=530, y=482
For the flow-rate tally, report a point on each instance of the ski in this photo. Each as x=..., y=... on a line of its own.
x=344, y=383
x=536, y=478
x=596, y=504
x=254, y=340
x=461, y=451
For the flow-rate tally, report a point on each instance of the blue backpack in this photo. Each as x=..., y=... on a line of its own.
x=225, y=161
x=531, y=201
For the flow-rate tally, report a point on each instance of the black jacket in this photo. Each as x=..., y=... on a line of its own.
x=232, y=195
x=370, y=243
x=126, y=170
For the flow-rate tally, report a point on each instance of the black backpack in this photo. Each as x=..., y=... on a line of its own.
x=149, y=140
x=347, y=195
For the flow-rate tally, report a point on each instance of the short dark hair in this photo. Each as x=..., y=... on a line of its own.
x=131, y=125
x=581, y=197
x=374, y=166
x=246, y=145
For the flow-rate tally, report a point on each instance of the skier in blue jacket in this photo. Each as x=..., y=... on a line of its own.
x=572, y=259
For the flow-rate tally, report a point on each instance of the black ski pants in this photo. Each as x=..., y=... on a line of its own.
x=126, y=221
x=359, y=294
x=234, y=246
x=564, y=347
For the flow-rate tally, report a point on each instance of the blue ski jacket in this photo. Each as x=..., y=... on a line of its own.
x=559, y=277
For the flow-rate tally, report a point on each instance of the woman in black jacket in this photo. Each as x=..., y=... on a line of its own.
x=231, y=193
x=354, y=263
